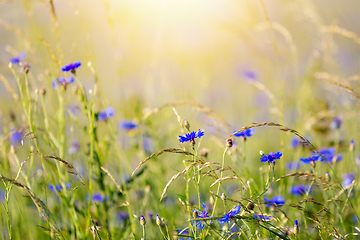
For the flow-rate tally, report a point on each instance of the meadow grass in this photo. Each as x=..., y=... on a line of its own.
x=255, y=156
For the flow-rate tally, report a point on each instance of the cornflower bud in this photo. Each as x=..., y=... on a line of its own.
x=229, y=143
x=142, y=220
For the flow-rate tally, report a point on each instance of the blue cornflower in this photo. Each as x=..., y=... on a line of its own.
x=127, y=125
x=183, y=232
x=106, y=114
x=62, y=81
x=271, y=157
x=230, y=215
x=191, y=136
x=262, y=217
x=122, y=216
x=328, y=154
x=59, y=187
x=2, y=195
x=296, y=227
x=352, y=144
x=98, y=197
x=300, y=190
x=250, y=76
x=17, y=60
x=71, y=67
x=201, y=214
x=336, y=123
x=275, y=201
x=348, y=178
x=246, y=133
x=293, y=165
x=16, y=138
x=310, y=159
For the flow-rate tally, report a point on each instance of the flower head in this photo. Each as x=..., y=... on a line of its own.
x=62, y=81
x=201, y=214
x=2, y=196
x=98, y=197
x=246, y=133
x=348, y=178
x=300, y=190
x=16, y=138
x=336, y=123
x=58, y=187
x=293, y=165
x=328, y=154
x=271, y=157
x=263, y=217
x=230, y=215
x=71, y=67
x=17, y=60
x=191, y=136
x=127, y=125
x=106, y=114
x=275, y=201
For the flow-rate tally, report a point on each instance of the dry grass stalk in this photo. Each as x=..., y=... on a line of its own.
x=40, y=205
x=171, y=150
x=176, y=176
x=113, y=179
x=70, y=168
x=223, y=179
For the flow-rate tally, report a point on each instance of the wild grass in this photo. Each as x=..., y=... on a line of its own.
x=155, y=145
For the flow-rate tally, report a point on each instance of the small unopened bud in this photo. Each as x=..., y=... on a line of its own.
x=296, y=227
x=187, y=124
x=142, y=220
x=204, y=152
x=229, y=143
x=158, y=220
x=313, y=163
x=12, y=116
x=352, y=145
x=42, y=91
x=26, y=68
x=223, y=197
x=250, y=206
x=195, y=214
x=327, y=177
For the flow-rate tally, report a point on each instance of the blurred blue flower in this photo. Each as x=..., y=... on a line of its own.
x=106, y=114
x=183, y=232
x=348, y=178
x=191, y=136
x=71, y=67
x=2, y=195
x=16, y=60
x=16, y=137
x=74, y=148
x=59, y=187
x=98, y=197
x=262, y=217
x=275, y=201
x=293, y=165
x=328, y=154
x=122, y=216
x=250, y=76
x=201, y=214
x=336, y=123
x=300, y=190
x=62, y=81
x=246, y=133
x=271, y=157
x=230, y=215
x=127, y=125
